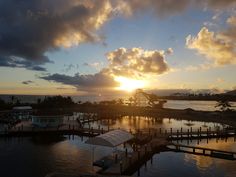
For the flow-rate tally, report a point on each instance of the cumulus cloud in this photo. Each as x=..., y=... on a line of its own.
x=31, y=28
x=219, y=47
x=96, y=65
x=136, y=62
x=170, y=7
x=218, y=4
x=169, y=51
x=69, y=67
x=162, y=8
x=132, y=63
x=200, y=67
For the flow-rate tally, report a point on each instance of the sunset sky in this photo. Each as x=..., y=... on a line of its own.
x=96, y=47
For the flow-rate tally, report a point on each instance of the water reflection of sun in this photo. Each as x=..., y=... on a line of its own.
x=203, y=162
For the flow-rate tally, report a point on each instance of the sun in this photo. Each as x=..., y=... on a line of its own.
x=128, y=84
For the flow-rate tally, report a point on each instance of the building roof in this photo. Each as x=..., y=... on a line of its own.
x=22, y=108
x=111, y=139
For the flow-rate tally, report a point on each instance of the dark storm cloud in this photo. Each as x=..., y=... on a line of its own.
x=30, y=28
x=14, y=62
x=89, y=81
x=27, y=82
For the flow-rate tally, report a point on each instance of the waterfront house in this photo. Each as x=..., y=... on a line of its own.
x=47, y=120
x=22, y=112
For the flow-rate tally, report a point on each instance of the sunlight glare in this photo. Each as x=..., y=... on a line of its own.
x=128, y=84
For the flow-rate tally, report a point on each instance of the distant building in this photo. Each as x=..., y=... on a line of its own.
x=22, y=112
x=47, y=121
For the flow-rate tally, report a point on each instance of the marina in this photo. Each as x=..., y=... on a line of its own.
x=142, y=147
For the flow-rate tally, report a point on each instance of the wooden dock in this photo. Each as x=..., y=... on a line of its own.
x=189, y=134
x=201, y=135
x=227, y=155
x=68, y=130
x=129, y=163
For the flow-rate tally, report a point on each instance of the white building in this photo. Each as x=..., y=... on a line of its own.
x=47, y=121
x=22, y=112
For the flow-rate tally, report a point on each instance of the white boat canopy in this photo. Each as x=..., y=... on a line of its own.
x=111, y=139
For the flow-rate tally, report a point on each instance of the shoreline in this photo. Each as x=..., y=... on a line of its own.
x=112, y=111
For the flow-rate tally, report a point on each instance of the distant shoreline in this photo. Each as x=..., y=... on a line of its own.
x=228, y=118
x=231, y=98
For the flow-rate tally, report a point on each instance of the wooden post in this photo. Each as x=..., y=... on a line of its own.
x=116, y=158
x=234, y=134
x=121, y=167
x=160, y=131
x=126, y=152
x=138, y=154
x=200, y=131
x=130, y=159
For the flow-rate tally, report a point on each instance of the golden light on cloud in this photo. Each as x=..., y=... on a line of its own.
x=128, y=84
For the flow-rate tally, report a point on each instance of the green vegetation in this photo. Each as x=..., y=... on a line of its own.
x=8, y=105
x=55, y=102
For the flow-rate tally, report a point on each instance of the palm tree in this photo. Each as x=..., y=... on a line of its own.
x=223, y=104
x=120, y=101
x=132, y=101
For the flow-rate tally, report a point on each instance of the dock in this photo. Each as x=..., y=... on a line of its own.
x=65, y=130
x=145, y=144
x=129, y=163
x=227, y=155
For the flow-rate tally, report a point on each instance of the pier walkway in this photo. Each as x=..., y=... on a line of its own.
x=129, y=163
x=64, y=130
x=228, y=155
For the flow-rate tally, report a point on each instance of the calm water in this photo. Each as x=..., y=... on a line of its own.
x=196, y=105
x=28, y=157
x=174, y=104
x=181, y=164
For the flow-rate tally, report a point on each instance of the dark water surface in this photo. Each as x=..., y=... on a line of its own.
x=173, y=164
x=37, y=157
